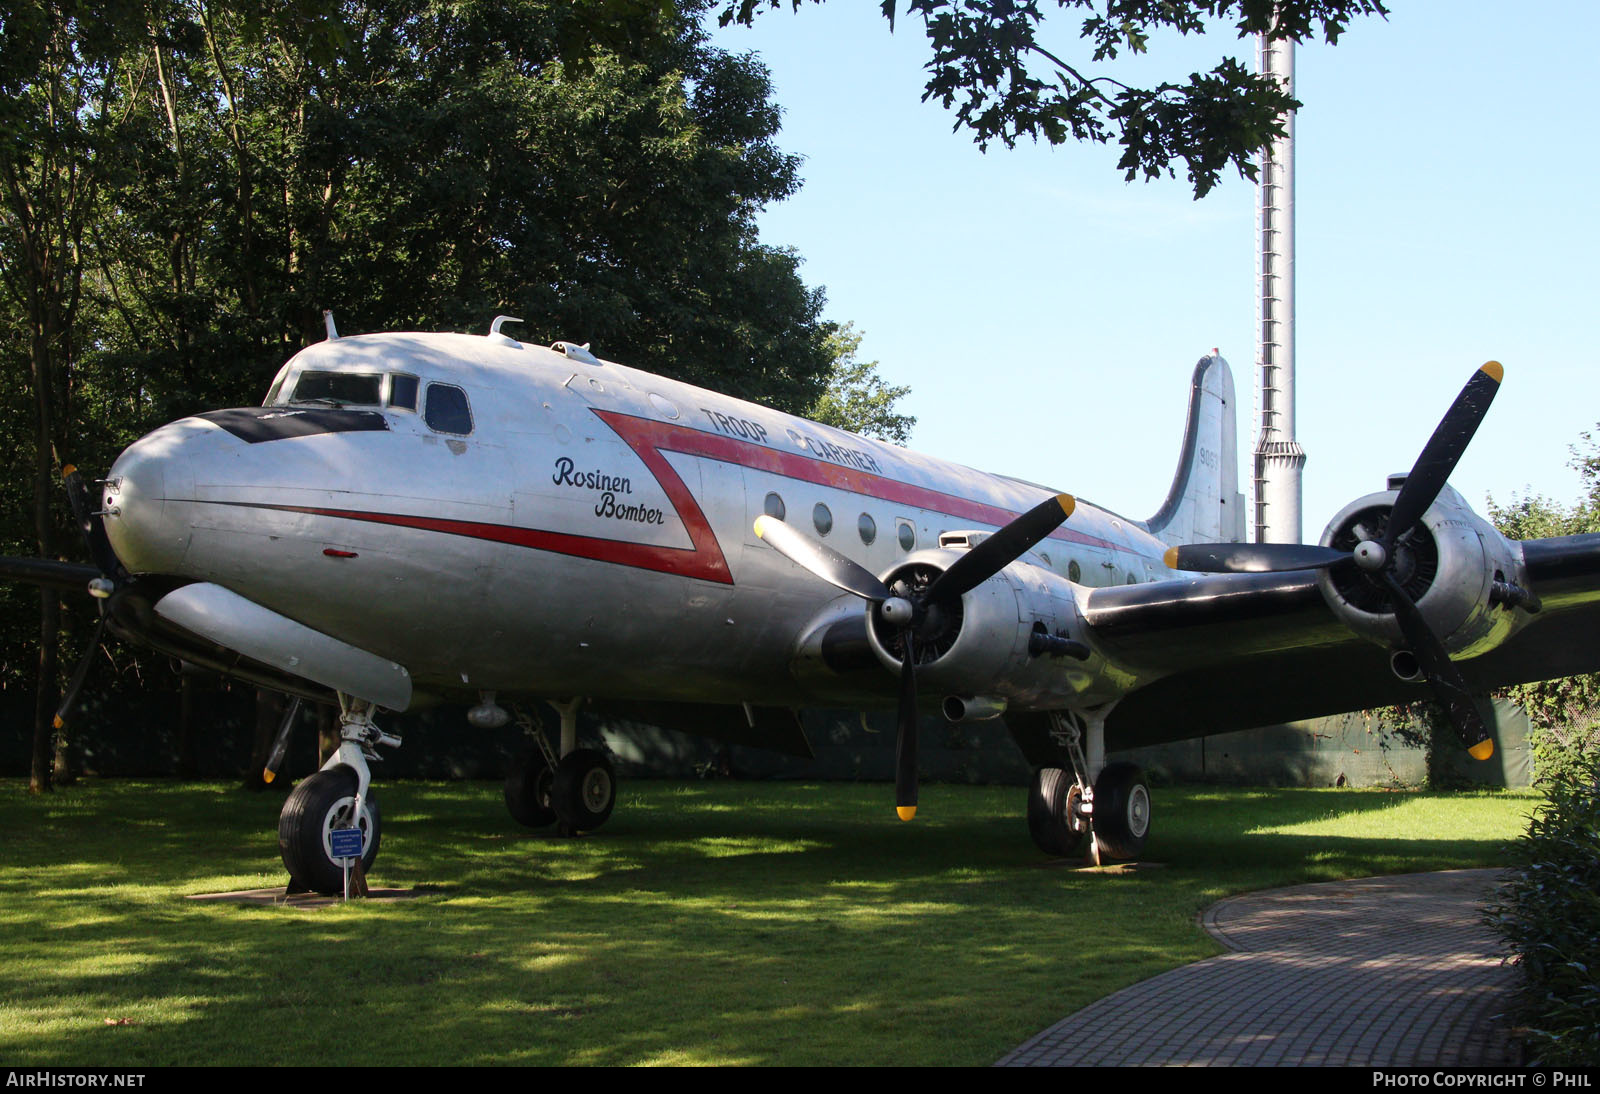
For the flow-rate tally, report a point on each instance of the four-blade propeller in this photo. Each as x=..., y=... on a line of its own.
x=1380, y=557
x=915, y=612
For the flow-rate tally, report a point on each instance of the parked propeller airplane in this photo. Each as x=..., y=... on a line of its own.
x=416, y=517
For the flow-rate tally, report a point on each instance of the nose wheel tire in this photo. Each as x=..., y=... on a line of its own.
x=584, y=790
x=320, y=805
x=528, y=787
x=1121, y=811
x=1053, y=820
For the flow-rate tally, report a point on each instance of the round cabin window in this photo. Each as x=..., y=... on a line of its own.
x=867, y=527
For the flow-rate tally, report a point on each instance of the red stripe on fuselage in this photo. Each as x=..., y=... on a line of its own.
x=648, y=438
x=708, y=565
x=704, y=561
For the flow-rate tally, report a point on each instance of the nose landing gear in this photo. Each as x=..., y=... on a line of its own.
x=322, y=804
x=337, y=797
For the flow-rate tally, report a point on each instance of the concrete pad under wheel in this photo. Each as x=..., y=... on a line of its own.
x=281, y=895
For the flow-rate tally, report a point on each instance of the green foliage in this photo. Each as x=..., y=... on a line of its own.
x=1564, y=713
x=1549, y=915
x=185, y=187
x=1004, y=84
x=857, y=399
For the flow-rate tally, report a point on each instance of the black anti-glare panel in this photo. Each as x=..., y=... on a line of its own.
x=255, y=424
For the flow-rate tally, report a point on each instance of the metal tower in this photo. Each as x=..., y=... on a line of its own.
x=1278, y=456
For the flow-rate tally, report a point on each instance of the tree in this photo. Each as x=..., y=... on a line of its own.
x=857, y=399
x=990, y=65
x=60, y=82
x=185, y=186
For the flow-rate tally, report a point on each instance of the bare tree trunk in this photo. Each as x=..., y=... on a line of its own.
x=44, y=695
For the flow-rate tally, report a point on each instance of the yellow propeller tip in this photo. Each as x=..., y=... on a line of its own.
x=68, y=469
x=1067, y=502
x=906, y=812
x=268, y=775
x=1482, y=750
x=1495, y=370
x=761, y=522
x=56, y=722
x=1171, y=558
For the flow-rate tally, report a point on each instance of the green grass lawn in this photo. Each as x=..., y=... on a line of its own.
x=708, y=923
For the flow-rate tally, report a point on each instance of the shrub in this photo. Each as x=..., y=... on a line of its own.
x=1549, y=915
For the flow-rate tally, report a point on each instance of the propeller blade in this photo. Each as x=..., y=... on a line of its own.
x=905, y=742
x=79, y=674
x=1252, y=558
x=280, y=743
x=69, y=577
x=89, y=523
x=1001, y=549
x=1443, y=451
x=1449, y=687
x=820, y=559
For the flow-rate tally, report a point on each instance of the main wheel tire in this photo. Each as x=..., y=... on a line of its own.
x=321, y=804
x=1121, y=811
x=584, y=790
x=528, y=791
x=1053, y=820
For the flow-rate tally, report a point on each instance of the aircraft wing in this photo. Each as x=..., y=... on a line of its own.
x=1234, y=651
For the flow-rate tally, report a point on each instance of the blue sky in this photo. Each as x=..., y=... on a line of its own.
x=1047, y=315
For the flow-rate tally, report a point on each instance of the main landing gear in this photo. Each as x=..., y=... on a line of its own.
x=337, y=797
x=576, y=788
x=1104, y=805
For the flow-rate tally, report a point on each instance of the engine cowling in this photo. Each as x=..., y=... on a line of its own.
x=1449, y=566
x=985, y=643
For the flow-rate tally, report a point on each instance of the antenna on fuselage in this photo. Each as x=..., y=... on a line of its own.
x=494, y=330
x=327, y=321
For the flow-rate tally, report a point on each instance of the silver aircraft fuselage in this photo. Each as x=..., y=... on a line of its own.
x=496, y=516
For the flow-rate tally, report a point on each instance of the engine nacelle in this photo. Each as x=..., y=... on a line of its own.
x=980, y=646
x=1448, y=568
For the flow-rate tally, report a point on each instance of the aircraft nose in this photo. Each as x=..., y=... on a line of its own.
x=146, y=498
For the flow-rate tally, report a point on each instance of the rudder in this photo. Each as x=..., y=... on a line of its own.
x=1204, y=504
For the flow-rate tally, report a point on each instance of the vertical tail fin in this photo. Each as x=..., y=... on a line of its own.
x=1204, y=504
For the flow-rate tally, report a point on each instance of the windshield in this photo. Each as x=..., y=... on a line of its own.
x=338, y=388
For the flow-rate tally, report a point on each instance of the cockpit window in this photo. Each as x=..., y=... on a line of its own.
x=277, y=386
x=338, y=388
x=447, y=410
x=403, y=391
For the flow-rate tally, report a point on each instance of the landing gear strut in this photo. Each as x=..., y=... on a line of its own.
x=1110, y=803
x=338, y=796
x=575, y=787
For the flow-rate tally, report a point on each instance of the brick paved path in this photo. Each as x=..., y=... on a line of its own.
x=1379, y=971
